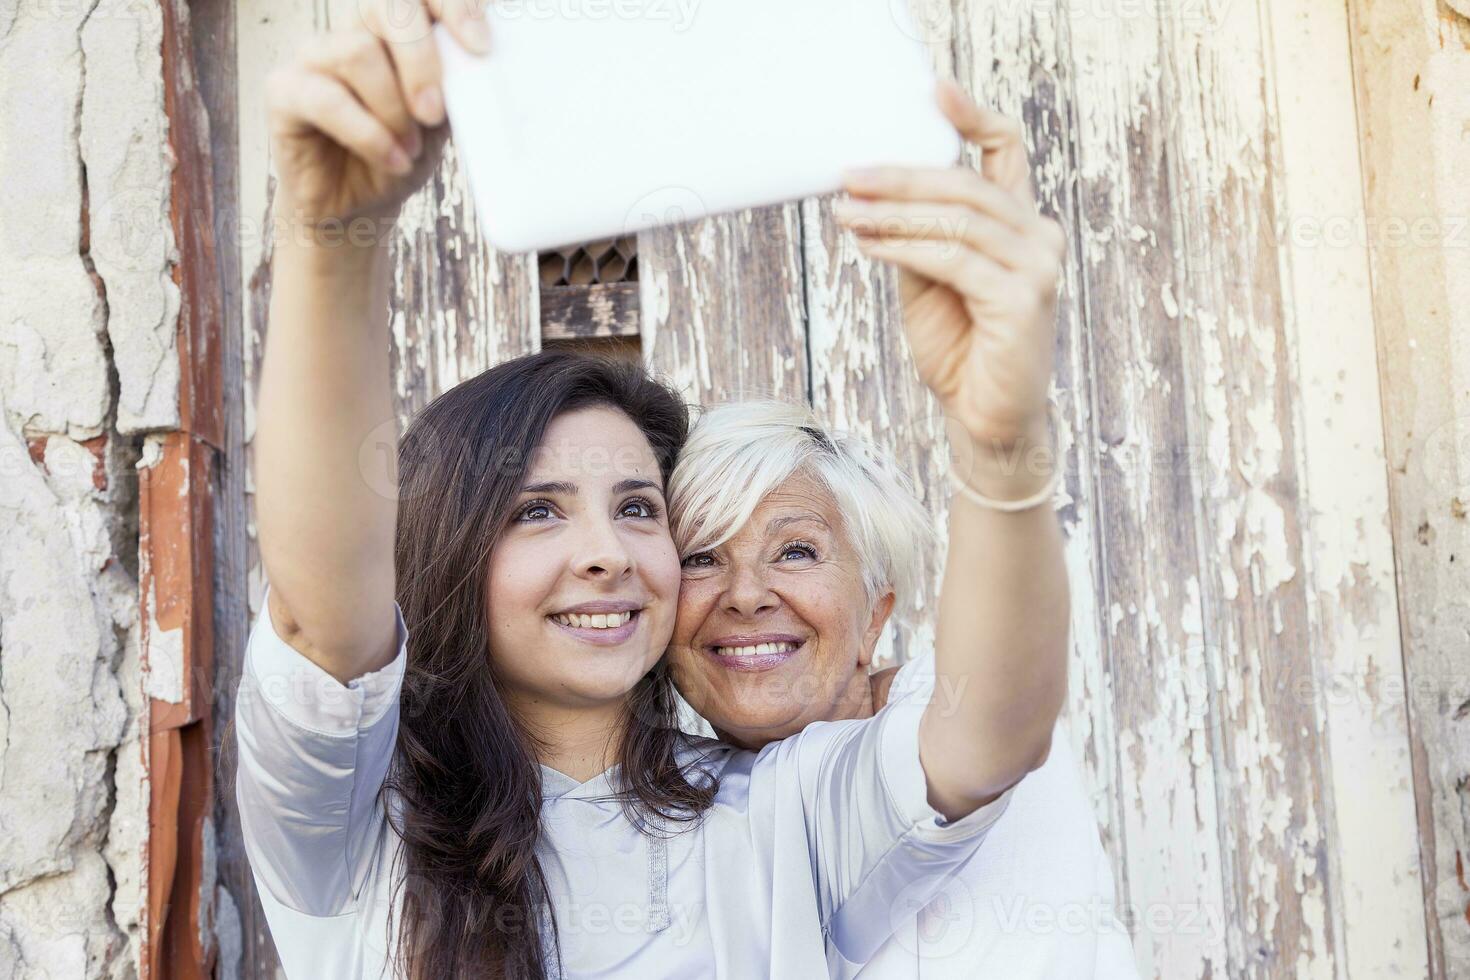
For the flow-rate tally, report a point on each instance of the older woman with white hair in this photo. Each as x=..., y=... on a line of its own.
x=799, y=542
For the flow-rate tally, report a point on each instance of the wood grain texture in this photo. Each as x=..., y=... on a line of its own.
x=1412, y=62
x=1187, y=336
x=722, y=314
x=458, y=306
x=1241, y=394
x=1371, y=830
x=1024, y=60
x=586, y=312
x=863, y=379
x=1154, y=684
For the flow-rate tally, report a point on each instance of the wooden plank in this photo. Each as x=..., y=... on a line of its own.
x=177, y=505
x=459, y=306
x=1130, y=373
x=1371, y=829
x=1024, y=60
x=1412, y=63
x=176, y=606
x=1268, y=748
x=863, y=379
x=586, y=312
x=236, y=913
x=721, y=305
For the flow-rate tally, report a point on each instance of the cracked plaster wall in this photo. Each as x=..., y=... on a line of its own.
x=88, y=367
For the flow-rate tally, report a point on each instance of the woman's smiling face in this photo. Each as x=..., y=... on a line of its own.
x=774, y=629
x=584, y=582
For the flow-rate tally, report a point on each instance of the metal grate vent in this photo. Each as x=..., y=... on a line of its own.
x=590, y=292
x=594, y=263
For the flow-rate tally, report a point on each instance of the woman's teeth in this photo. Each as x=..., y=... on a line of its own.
x=759, y=650
x=600, y=621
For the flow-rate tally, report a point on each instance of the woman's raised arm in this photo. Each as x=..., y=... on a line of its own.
x=356, y=125
x=979, y=268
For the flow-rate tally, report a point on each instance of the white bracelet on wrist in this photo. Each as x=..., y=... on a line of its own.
x=1042, y=496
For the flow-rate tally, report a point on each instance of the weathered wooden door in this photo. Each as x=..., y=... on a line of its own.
x=1237, y=623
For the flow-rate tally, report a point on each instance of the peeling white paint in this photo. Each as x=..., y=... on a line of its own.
x=163, y=671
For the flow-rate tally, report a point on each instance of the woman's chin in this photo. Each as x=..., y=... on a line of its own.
x=754, y=720
x=610, y=678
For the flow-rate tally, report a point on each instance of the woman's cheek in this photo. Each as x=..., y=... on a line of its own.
x=664, y=573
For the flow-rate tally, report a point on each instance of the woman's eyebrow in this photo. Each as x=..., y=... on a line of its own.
x=780, y=523
x=625, y=486
x=559, y=487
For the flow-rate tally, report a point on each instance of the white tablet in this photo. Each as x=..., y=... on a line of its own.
x=590, y=119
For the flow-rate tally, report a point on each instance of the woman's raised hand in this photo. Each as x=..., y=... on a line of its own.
x=357, y=116
x=979, y=267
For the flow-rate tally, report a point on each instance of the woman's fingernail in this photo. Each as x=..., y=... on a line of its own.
x=862, y=176
x=477, y=33
x=430, y=105
x=398, y=161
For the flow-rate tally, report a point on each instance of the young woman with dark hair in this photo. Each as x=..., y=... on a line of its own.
x=458, y=755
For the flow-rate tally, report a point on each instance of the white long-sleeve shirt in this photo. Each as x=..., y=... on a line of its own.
x=1036, y=904
x=803, y=865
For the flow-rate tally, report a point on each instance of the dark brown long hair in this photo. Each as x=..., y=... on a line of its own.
x=468, y=787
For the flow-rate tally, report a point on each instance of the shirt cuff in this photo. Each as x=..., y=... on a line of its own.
x=903, y=775
x=308, y=696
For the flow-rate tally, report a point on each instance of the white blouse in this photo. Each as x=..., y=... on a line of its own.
x=1038, y=904
x=814, y=852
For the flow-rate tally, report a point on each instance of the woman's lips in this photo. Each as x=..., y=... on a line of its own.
x=752, y=654
x=606, y=637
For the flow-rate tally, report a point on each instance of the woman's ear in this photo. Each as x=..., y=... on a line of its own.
x=882, y=609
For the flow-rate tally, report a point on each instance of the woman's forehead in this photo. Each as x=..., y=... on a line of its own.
x=799, y=500
x=595, y=444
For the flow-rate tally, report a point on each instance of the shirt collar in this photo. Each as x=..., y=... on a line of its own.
x=557, y=785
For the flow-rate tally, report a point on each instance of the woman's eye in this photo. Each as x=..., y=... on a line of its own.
x=535, y=512
x=638, y=508
x=800, y=551
x=701, y=559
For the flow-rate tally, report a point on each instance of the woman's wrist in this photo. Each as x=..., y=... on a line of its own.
x=1004, y=472
x=332, y=247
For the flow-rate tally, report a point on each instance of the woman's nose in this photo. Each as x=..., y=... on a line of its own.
x=749, y=594
x=602, y=554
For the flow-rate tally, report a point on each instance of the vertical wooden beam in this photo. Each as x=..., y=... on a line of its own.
x=1412, y=64
x=1268, y=748
x=1135, y=445
x=176, y=554
x=1026, y=61
x=1372, y=846
x=862, y=376
x=721, y=312
x=237, y=917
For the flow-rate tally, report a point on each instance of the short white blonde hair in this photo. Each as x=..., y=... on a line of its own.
x=738, y=453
